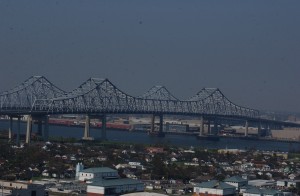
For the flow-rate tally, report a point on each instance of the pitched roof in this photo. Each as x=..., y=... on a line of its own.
x=235, y=179
x=262, y=191
x=98, y=170
x=215, y=184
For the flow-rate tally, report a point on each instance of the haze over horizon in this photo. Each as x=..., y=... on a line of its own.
x=249, y=50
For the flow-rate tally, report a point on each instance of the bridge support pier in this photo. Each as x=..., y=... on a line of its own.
x=86, y=135
x=46, y=129
x=259, y=129
x=29, y=129
x=18, y=131
x=168, y=127
x=152, y=123
x=246, y=128
x=215, y=132
x=40, y=127
x=10, y=128
x=103, y=133
x=161, y=126
x=208, y=128
x=201, y=126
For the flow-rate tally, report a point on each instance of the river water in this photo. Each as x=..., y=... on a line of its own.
x=144, y=138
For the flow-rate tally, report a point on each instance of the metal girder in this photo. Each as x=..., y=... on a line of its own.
x=101, y=96
x=22, y=97
x=38, y=95
x=159, y=93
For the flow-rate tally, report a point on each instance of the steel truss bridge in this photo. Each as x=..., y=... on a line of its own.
x=37, y=96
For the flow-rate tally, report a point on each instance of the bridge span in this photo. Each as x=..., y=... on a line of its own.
x=38, y=98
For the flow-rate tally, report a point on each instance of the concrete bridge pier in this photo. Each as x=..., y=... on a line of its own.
x=269, y=130
x=29, y=129
x=161, y=126
x=40, y=127
x=45, y=132
x=259, y=129
x=103, y=133
x=208, y=128
x=152, y=123
x=168, y=127
x=18, y=131
x=10, y=128
x=201, y=126
x=215, y=132
x=86, y=135
x=246, y=128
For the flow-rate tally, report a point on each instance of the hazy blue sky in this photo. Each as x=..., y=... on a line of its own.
x=248, y=49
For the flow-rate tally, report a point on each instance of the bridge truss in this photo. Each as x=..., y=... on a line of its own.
x=94, y=96
x=100, y=96
x=22, y=97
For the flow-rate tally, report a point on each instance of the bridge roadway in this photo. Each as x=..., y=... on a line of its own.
x=38, y=98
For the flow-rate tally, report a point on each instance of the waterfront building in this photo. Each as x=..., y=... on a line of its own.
x=214, y=188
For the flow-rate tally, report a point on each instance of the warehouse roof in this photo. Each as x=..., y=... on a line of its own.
x=215, y=184
x=115, y=182
x=98, y=170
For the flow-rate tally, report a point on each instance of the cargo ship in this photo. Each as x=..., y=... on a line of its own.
x=71, y=123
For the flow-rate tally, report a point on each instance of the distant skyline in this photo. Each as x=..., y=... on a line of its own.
x=250, y=50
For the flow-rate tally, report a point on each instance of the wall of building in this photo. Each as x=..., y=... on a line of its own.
x=209, y=191
x=28, y=192
x=249, y=194
x=95, y=190
x=87, y=176
x=92, y=190
x=213, y=192
x=23, y=189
